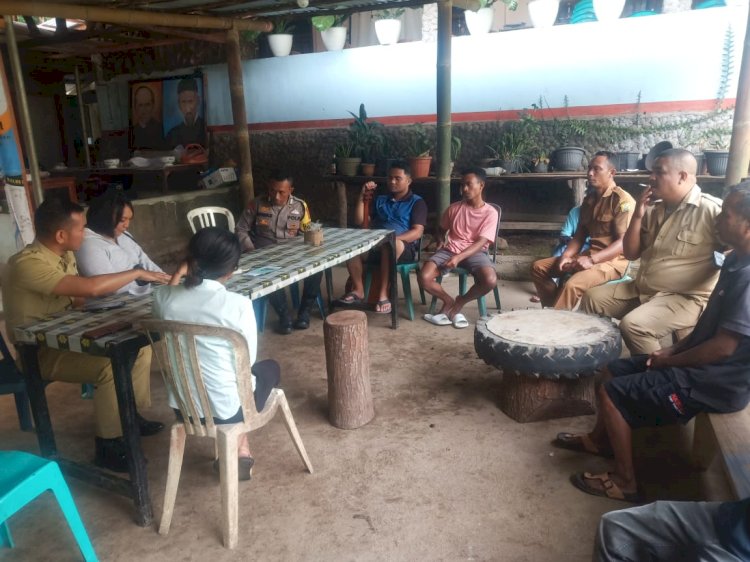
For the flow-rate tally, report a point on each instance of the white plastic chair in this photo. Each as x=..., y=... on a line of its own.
x=177, y=357
x=207, y=217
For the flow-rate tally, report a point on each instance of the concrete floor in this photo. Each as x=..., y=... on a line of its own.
x=439, y=474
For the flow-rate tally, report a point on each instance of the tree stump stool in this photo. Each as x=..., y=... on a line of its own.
x=548, y=359
x=348, y=365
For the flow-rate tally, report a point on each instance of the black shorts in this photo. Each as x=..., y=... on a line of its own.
x=407, y=256
x=649, y=398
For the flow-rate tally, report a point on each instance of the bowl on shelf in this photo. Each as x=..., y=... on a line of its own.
x=112, y=162
x=167, y=160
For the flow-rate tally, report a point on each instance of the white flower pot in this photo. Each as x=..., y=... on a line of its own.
x=479, y=22
x=608, y=10
x=334, y=38
x=280, y=43
x=388, y=31
x=543, y=13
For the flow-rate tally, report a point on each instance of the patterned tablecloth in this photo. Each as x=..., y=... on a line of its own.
x=263, y=271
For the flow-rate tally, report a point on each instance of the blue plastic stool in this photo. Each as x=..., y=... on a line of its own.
x=24, y=477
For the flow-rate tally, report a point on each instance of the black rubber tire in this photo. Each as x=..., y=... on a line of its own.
x=549, y=362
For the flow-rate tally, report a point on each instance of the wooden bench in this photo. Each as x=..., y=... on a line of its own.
x=529, y=225
x=728, y=434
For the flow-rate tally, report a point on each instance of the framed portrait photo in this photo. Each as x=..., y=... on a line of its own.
x=167, y=113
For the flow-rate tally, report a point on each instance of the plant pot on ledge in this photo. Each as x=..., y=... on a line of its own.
x=367, y=169
x=716, y=162
x=420, y=166
x=569, y=158
x=347, y=166
x=479, y=22
x=334, y=38
x=280, y=43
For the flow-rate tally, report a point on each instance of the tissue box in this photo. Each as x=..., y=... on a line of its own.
x=218, y=178
x=314, y=237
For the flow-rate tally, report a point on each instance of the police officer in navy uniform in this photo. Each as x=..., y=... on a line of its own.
x=276, y=218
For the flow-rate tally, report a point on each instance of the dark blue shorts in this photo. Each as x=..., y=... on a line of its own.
x=648, y=398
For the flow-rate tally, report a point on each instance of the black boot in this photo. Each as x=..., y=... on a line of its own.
x=110, y=454
x=303, y=316
x=147, y=427
x=278, y=303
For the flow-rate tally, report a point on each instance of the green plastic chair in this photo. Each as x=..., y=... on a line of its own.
x=463, y=274
x=404, y=270
x=24, y=477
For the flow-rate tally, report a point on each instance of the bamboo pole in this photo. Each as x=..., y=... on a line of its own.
x=239, y=115
x=24, y=115
x=445, y=8
x=127, y=17
x=739, y=149
x=82, y=113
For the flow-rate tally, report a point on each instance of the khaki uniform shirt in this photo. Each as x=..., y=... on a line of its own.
x=679, y=250
x=28, y=281
x=263, y=223
x=606, y=219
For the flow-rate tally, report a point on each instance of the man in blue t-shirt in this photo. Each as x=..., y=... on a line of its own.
x=401, y=211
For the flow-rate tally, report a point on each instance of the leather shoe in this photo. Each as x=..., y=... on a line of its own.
x=284, y=327
x=147, y=427
x=303, y=320
x=110, y=454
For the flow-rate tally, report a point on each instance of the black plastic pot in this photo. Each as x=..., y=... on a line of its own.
x=716, y=162
x=569, y=158
x=627, y=160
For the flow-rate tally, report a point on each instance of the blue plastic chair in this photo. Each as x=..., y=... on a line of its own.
x=261, y=306
x=463, y=274
x=403, y=269
x=24, y=477
x=12, y=382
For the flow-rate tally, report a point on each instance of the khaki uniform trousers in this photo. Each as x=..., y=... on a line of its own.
x=642, y=325
x=567, y=296
x=68, y=366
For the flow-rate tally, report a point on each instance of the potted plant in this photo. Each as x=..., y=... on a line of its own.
x=567, y=132
x=388, y=25
x=369, y=137
x=280, y=39
x=332, y=30
x=540, y=159
x=419, y=148
x=480, y=22
x=717, y=157
x=543, y=13
x=512, y=147
x=346, y=162
x=456, y=146
x=608, y=10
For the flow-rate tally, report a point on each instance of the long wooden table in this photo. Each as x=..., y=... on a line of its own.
x=161, y=173
x=290, y=262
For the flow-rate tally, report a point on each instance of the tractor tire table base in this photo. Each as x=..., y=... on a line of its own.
x=548, y=358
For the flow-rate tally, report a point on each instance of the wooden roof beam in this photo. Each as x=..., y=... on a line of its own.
x=128, y=17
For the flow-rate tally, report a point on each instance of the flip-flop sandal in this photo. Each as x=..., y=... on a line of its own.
x=380, y=305
x=460, y=321
x=438, y=319
x=349, y=299
x=244, y=468
x=580, y=443
x=609, y=488
x=535, y=298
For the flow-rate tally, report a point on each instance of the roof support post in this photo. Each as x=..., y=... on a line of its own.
x=739, y=149
x=82, y=114
x=24, y=115
x=445, y=16
x=239, y=115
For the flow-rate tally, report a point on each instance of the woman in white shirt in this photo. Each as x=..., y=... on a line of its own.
x=107, y=245
x=213, y=254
